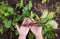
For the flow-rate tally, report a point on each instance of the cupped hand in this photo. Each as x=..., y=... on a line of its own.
x=36, y=30
x=23, y=30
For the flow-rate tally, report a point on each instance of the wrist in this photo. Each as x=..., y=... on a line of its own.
x=22, y=37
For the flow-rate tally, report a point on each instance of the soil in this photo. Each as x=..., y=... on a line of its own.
x=37, y=8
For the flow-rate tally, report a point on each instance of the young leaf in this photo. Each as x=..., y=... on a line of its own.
x=25, y=8
x=20, y=5
x=44, y=1
x=51, y=15
x=25, y=11
x=44, y=14
x=30, y=5
x=37, y=18
x=32, y=14
x=53, y=24
x=17, y=5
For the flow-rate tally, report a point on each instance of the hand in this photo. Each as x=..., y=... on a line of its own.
x=36, y=30
x=23, y=30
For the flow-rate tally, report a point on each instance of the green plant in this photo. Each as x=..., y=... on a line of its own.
x=48, y=24
x=5, y=15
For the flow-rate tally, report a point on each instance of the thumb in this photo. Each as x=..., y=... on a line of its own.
x=17, y=27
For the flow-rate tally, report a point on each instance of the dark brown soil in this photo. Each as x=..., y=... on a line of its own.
x=37, y=6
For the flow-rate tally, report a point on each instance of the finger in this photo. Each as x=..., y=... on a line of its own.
x=25, y=21
x=24, y=28
x=17, y=27
x=33, y=20
x=29, y=21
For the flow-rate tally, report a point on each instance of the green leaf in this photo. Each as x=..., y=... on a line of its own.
x=30, y=5
x=4, y=8
x=1, y=15
x=44, y=20
x=6, y=14
x=14, y=22
x=51, y=15
x=20, y=5
x=17, y=5
x=49, y=34
x=31, y=36
x=32, y=15
x=46, y=29
x=1, y=11
x=53, y=24
x=25, y=11
x=7, y=23
x=44, y=14
x=44, y=1
x=16, y=32
x=26, y=8
x=1, y=30
x=37, y=18
x=10, y=10
x=20, y=18
x=12, y=28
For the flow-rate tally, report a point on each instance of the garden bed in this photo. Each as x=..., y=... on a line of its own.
x=37, y=9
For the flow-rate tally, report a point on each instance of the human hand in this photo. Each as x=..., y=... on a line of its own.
x=36, y=30
x=22, y=30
